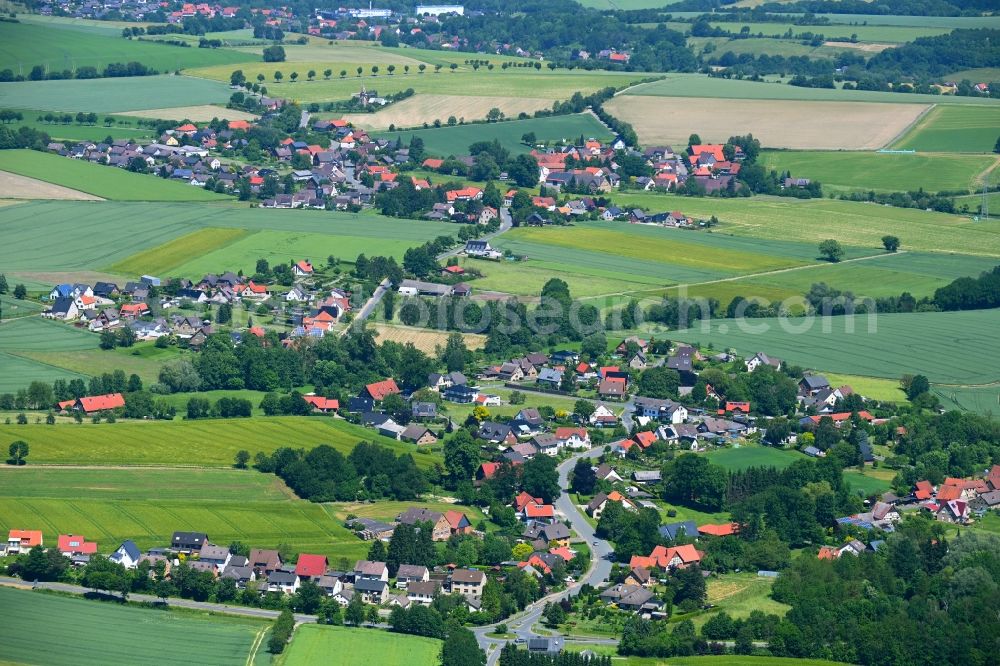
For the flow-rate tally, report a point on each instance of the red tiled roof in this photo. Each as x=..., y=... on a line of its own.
x=924, y=490
x=239, y=125
x=99, y=403
x=305, y=266
x=379, y=390
x=844, y=416
x=432, y=163
x=645, y=439
x=947, y=492
x=74, y=543
x=562, y=552
x=524, y=499
x=539, y=511
x=320, y=402
x=724, y=529
x=311, y=565
x=488, y=469
x=29, y=538
x=455, y=519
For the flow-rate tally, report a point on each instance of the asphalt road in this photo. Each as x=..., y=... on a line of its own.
x=522, y=624
x=369, y=306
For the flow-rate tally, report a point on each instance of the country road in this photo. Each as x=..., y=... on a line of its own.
x=522, y=624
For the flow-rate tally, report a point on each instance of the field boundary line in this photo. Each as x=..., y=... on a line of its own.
x=906, y=130
x=735, y=278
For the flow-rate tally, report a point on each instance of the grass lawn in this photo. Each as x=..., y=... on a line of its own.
x=740, y=593
x=526, y=278
x=899, y=343
x=445, y=141
x=147, y=505
x=734, y=459
x=103, y=181
x=871, y=481
x=870, y=387
x=208, y=443
x=952, y=129
x=114, y=95
x=313, y=645
x=864, y=171
x=23, y=45
x=110, y=633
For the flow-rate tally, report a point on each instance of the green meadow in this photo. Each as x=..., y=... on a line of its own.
x=114, y=95
x=953, y=129
x=314, y=644
x=80, y=631
x=445, y=141
x=101, y=180
x=124, y=128
x=24, y=45
x=16, y=372
x=735, y=459
x=888, y=345
x=889, y=172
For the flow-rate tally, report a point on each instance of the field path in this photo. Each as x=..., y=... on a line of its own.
x=747, y=276
x=984, y=177
x=919, y=120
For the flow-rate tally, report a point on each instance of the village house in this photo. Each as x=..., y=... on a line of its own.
x=468, y=582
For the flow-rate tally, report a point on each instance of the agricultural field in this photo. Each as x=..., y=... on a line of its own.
x=16, y=372
x=919, y=273
x=978, y=75
x=514, y=82
x=785, y=124
x=643, y=258
x=14, y=186
x=950, y=22
x=114, y=633
x=811, y=221
x=886, y=390
x=699, y=85
x=953, y=129
x=865, y=33
x=161, y=259
x=424, y=339
x=313, y=644
x=102, y=181
x=773, y=47
x=202, y=113
x=114, y=95
x=35, y=334
x=890, y=172
x=456, y=140
x=899, y=343
x=110, y=505
x=984, y=399
x=207, y=443
x=724, y=660
x=421, y=109
x=152, y=225
x=24, y=45
x=123, y=127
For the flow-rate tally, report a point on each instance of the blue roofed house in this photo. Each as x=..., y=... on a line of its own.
x=127, y=555
x=684, y=528
x=61, y=291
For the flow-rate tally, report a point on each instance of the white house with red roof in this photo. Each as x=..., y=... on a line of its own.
x=302, y=268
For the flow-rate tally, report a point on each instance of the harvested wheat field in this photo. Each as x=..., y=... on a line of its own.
x=199, y=114
x=777, y=123
x=864, y=47
x=13, y=186
x=420, y=109
x=424, y=339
